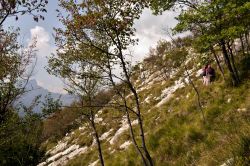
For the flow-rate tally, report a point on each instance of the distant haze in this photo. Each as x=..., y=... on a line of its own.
x=35, y=90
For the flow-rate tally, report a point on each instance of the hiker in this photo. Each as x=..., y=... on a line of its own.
x=208, y=74
x=203, y=74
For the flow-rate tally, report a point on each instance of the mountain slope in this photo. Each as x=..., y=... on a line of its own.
x=35, y=90
x=175, y=131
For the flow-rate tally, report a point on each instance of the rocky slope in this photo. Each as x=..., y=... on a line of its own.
x=175, y=132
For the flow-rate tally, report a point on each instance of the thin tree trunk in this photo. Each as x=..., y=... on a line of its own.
x=227, y=61
x=242, y=45
x=138, y=110
x=233, y=62
x=197, y=93
x=247, y=42
x=97, y=139
x=217, y=61
x=133, y=137
x=132, y=89
x=128, y=119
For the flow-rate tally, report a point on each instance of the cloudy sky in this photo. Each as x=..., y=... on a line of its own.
x=150, y=29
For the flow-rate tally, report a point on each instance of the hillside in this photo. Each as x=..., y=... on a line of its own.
x=174, y=129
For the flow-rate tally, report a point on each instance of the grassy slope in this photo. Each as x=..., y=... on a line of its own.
x=181, y=138
x=175, y=132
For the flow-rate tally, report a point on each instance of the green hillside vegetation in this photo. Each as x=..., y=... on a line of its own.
x=175, y=132
x=156, y=112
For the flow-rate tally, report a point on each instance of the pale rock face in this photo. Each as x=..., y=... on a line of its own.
x=168, y=92
x=147, y=100
x=113, y=151
x=93, y=143
x=173, y=73
x=189, y=72
x=55, y=157
x=142, y=89
x=68, y=150
x=152, y=77
x=59, y=147
x=77, y=152
x=129, y=95
x=228, y=162
x=186, y=80
x=157, y=118
x=199, y=72
x=164, y=100
x=94, y=163
x=105, y=135
x=125, y=145
x=42, y=164
x=163, y=82
x=62, y=158
x=82, y=128
x=122, y=129
x=242, y=110
x=100, y=112
x=98, y=120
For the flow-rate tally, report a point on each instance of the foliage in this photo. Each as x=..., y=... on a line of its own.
x=20, y=140
x=159, y=6
x=178, y=136
x=50, y=105
x=20, y=136
x=15, y=69
x=14, y=8
x=95, y=38
x=213, y=23
x=60, y=123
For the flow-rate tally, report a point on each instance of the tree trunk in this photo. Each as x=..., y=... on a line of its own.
x=217, y=61
x=247, y=42
x=233, y=62
x=133, y=137
x=132, y=89
x=128, y=117
x=97, y=138
x=242, y=44
x=197, y=93
x=228, y=63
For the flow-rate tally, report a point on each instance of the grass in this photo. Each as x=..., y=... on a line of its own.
x=175, y=132
x=180, y=137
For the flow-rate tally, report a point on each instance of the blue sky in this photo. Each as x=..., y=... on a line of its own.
x=150, y=29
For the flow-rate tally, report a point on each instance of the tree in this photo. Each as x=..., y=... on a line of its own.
x=50, y=105
x=20, y=136
x=15, y=70
x=15, y=60
x=20, y=139
x=83, y=80
x=212, y=24
x=106, y=29
x=14, y=8
x=217, y=22
x=159, y=6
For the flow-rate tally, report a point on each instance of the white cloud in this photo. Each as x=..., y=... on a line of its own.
x=42, y=37
x=150, y=29
x=45, y=49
